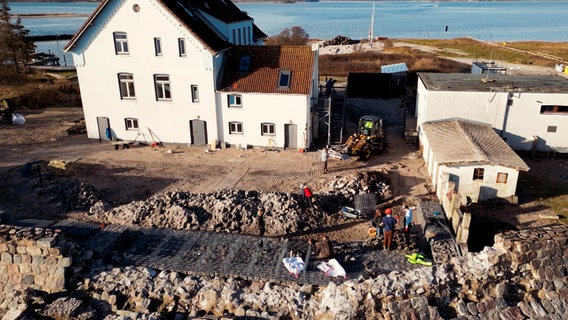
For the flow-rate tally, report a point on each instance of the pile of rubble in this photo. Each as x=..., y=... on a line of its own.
x=231, y=211
x=234, y=211
x=70, y=195
x=337, y=41
x=376, y=182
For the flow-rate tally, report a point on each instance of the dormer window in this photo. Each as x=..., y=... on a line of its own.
x=244, y=66
x=284, y=81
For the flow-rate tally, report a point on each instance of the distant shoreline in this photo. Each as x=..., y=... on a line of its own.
x=48, y=15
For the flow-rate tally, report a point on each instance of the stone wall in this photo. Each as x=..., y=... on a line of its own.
x=523, y=276
x=33, y=258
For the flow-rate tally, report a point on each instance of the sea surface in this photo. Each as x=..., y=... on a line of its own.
x=492, y=21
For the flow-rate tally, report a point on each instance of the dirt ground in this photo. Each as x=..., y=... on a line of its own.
x=141, y=171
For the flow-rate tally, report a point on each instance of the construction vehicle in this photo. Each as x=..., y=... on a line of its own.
x=369, y=139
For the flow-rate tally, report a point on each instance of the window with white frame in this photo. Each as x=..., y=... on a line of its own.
x=235, y=101
x=235, y=127
x=284, y=81
x=120, y=42
x=162, y=85
x=131, y=123
x=267, y=129
x=502, y=177
x=194, y=93
x=478, y=173
x=181, y=47
x=126, y=85
x=158, y=46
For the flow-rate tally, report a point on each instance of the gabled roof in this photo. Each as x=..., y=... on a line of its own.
x=266, y=65
x=190, y=14
x=457, y=141
x=493, y=83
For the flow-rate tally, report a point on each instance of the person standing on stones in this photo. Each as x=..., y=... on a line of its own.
x=389, y=226
x=407, y=216
x=307, y=194
x=259, y=223
x=324, y=158
x=378, y=223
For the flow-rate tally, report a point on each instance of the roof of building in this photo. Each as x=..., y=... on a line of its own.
x=394, y=68
x=191, y=14
x=494, y=83
x=261, y=73
x=488, y=65
x=458, y=141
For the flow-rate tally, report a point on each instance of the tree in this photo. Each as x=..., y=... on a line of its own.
x=15, y=47
x=294, y=36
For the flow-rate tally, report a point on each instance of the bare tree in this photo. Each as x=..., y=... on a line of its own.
x=289, y=36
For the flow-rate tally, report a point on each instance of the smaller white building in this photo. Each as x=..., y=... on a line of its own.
x=472, y=156
x=528, y=111
x=480, y=67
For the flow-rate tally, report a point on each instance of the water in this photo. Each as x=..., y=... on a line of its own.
x=493, y=21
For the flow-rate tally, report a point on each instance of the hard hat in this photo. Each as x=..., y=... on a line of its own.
x=388, y=211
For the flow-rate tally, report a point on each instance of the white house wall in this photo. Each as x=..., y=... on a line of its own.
x=526, y=121
x=259, y=108
x=517, y=123
x=481, y=107
x=98, y=77
x=479, y=190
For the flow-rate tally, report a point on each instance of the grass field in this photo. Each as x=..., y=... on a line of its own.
x=464, y=47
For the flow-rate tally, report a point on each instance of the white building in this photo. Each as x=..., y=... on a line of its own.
x=472, y=156
x=152, y=70
x=526, y=110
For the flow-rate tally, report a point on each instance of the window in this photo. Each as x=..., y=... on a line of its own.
x=284, y=81
x=235, y=101
x=502, y=177
x=120, y=43
x=158, y=46
x=194, y=93
x=162, y=85
x=267, y=129
x=235, y=127
x=554, y=109
x=551, y=129
x=181, y=46
x=126, y=84
x=478, y=173
x=244, y=66
x=131, y=123
x=234, y=36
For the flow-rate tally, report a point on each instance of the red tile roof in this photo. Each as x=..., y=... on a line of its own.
x=266, y=63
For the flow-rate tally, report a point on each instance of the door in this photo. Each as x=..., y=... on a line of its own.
x=290, y=136
x=198, y=129
x=104, y=128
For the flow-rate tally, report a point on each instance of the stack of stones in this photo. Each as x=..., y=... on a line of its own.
x=31, y=258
